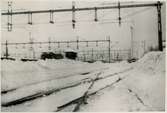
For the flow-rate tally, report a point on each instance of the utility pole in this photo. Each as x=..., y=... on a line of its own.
x=159, y=26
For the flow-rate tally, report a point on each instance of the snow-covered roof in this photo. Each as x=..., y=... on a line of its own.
x=70, y=50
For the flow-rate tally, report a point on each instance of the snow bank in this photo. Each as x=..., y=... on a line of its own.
x=148, y=80
x=152, y=62
x=146, y=83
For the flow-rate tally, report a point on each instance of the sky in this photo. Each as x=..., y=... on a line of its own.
x=143, y=21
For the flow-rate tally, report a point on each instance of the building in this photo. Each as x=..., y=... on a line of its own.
x=70, y=54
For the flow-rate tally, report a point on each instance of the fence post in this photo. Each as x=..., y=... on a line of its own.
x=92, y=54
x=77, y=42
x=6, y=54
x=109, y=48
x=84, y=56
x=131, y=30
x=49, y=44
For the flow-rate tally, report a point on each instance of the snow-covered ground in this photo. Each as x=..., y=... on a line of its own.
x=142, y=90
x=17, y=73
x=53, y=85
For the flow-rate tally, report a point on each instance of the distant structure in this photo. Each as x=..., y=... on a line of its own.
x=70, y=54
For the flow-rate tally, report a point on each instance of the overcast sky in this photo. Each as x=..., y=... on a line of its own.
x=143, y=21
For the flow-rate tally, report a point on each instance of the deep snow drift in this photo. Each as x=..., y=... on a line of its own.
x=139, y=86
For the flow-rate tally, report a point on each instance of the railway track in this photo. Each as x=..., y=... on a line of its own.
x=46, y=93
x=51, y=79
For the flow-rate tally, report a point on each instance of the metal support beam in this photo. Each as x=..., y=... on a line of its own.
x=160, y=45
x=83, y=9
x=74, y=41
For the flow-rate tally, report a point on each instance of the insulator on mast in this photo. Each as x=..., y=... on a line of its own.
x=119, y=14
x=9, y=23
x=95, y=15
x=73, y=15
x=51, y=17
x=30, y=18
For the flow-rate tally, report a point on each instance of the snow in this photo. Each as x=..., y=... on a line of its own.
x=115, y=98
x=152, y=62
x=70, y=50
x=17, y=74
x=149, y=87
x=44, y=86
x=149, y=80
x=51, y=102
x=138, y=86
